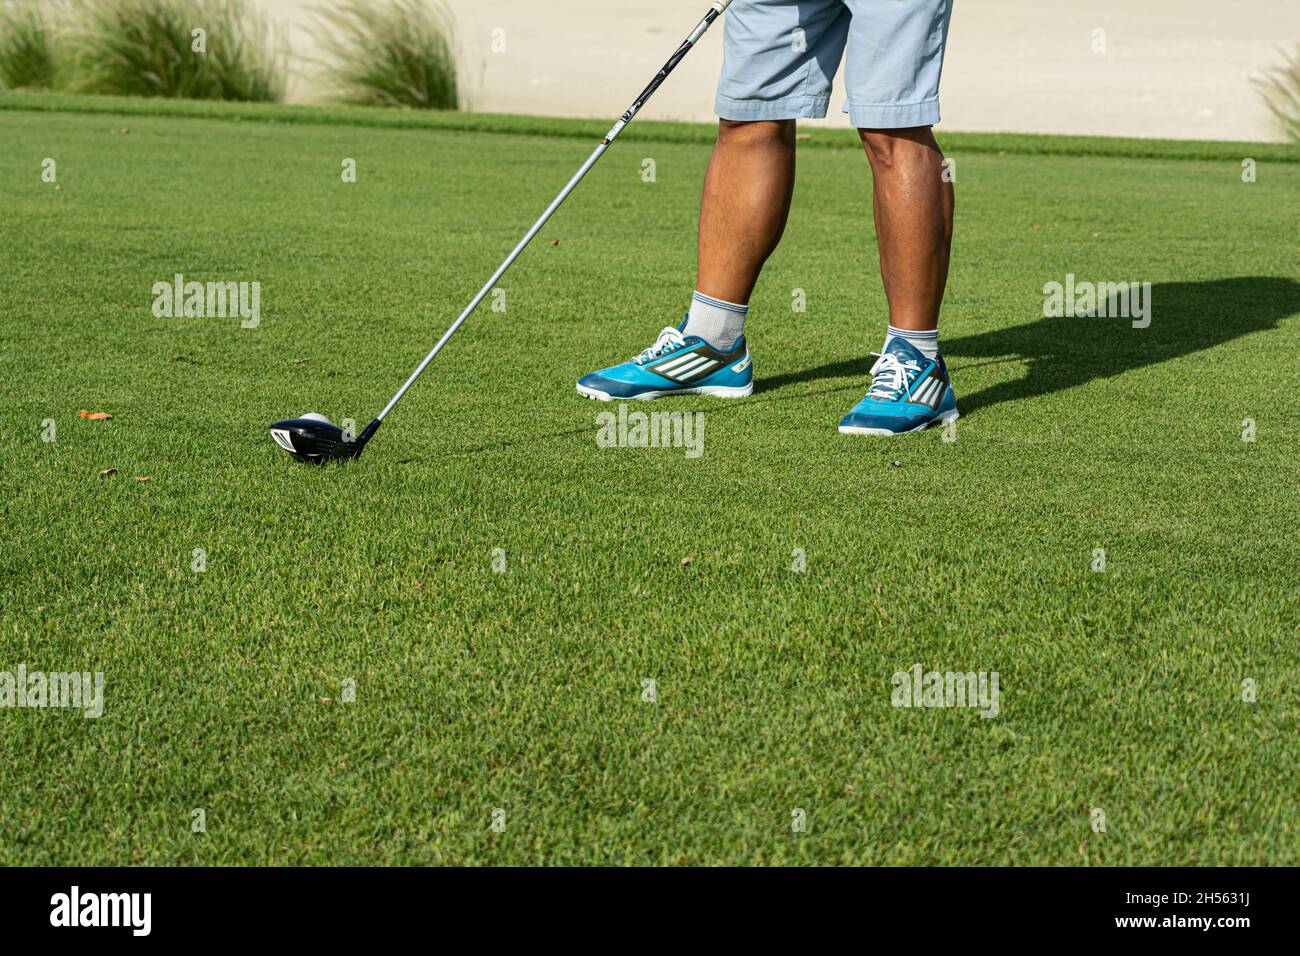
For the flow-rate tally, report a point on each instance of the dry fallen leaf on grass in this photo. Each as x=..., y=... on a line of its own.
x=142, y=478
x=556, y=242
x=108, y=472
x=94, y=416
x=686, y=560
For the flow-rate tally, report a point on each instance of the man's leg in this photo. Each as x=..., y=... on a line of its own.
x=912, y=201
x=746, y=202
x=913, y=205
x=894, y=64
x=779, y=60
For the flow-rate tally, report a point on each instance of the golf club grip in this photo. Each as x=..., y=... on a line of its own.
x=715, y=11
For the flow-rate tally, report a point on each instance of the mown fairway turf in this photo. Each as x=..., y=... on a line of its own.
x=522, y=690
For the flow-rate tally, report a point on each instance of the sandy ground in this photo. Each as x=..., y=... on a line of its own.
x=1171, y=68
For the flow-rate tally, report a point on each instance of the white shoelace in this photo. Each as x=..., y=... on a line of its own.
x=669, y=339
x=889, y=376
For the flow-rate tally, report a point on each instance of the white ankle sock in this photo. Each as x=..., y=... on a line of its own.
x=719, y=323
x=927, y=343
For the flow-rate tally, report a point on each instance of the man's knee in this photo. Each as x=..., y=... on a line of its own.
x=755, y=132
x=886, y=148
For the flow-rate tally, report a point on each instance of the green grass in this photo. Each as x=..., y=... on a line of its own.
x=643, y=130
x=522, y=690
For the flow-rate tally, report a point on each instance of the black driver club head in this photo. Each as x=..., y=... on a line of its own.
x=315, y=439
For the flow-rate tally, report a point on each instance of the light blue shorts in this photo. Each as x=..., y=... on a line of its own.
x=780, y=57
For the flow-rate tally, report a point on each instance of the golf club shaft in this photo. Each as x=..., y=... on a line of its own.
x=715, y=11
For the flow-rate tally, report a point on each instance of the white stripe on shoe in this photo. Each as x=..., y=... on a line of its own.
x=683, y=372
x=675, y=363
x=698, y=370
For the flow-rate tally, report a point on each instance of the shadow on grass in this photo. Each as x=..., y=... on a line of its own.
x=1063, y=352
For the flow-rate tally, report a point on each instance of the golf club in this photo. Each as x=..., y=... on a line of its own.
x=314, y=438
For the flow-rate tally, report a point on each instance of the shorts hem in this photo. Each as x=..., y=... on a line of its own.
x=893, y=115
x=790, y=107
